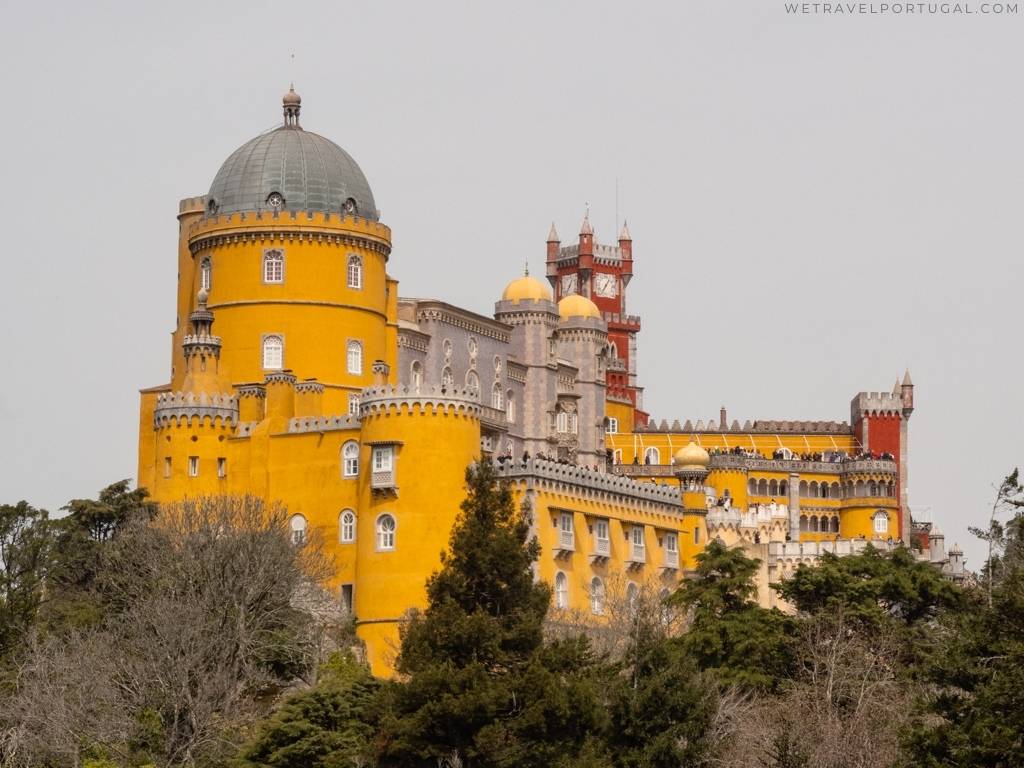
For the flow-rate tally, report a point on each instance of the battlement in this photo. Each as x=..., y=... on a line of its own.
x=310, y=225
x=625, y=489
x=174, y=407
x=340, y=422
x=631, y=322
x=876, y=404
x=192, y=205
x=756, y=516
x=713, y=425
x=378, y=401
x=608, y=254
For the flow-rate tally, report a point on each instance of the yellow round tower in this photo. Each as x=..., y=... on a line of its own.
x=691, y=468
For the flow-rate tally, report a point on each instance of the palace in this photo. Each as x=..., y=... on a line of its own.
x=298, y=374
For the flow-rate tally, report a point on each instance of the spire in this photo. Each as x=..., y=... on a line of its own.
x=624, y=234
x=906, y=379
x=526, y=268
x=585, y=228
x=553, y=234
x=292, y=103
x=896, y=387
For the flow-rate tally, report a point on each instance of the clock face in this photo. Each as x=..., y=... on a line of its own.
x=569, y=284
x=606, y=285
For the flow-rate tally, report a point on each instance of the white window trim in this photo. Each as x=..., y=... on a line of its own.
x=263, y=351
x=379, y=534
x=345, y=473
x=383, y=458
x=344, y=537
x=298, y=534
x=597, y=596
x=561, y=591
x=350, y=346
x=353, y=405
x=357, y=261
x=222, y=467
x=613, y=426
x=193, y=466
x=881, y=522
x=268, y=256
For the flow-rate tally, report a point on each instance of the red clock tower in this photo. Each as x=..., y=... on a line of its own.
x=601, y=273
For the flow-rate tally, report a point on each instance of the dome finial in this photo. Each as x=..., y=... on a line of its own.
x=526, y=268
x=292, y=103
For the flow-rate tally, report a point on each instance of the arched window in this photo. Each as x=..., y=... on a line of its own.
x=803, y=489
x=773, y=488
x=561, y=591
x=355, y=357
x=386, y=532
x=273, y=266
x=273, y=353
x=298, y=526
x=596, y=596
x=814, y=489
x=355, y=272
x=632, y=598
x=347, y=526
x=204, y=274
x=497, y=400
x=783, y=488
x=473, y=383
x=860, y=488
x=762, y=488
x=824, y=490
x=416, y=375
x=350, y=459
x=510, y=407
x=803, y=522
x=447, y=380
x=892, y=489
x=652, y=456
x=881, y=522
x=752, y=487
x=872, y=488
x=834, y=525
x=353, y=405
x=812, y=524
x=617, y=456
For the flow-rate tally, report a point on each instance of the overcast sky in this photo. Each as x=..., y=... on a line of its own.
x=817, y=202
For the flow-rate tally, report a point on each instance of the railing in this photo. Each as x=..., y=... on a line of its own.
x=638, y=553
x=384, y=479
x=495, y=418
x=671, y=559
x=644, y=470
x=566, y=540
x=602, y=547
x=869, y=501
x=727, y=461
x=778, y=549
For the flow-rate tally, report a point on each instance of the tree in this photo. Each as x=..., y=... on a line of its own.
x=200, y=625
x=328, y=726
x=1004, y=541
x=24, y=548
x=479, y=683
x=728, y=633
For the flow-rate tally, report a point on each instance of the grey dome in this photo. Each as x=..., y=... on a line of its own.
x=310, y=172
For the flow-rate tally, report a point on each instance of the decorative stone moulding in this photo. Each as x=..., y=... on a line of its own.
x=322, y=423
x=173, y=407
x=310, y=386
x=376, y=401
x=770, y=427
x=251, y=390
x=280, y=377
x=570, y=474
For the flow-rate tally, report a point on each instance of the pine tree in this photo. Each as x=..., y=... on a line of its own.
x=479, y=681
x=729, y=634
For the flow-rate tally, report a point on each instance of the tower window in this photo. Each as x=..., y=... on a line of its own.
x=881, y=522
x=355, y=357
x=204, y=274
x=298, y=526
x=273, y=353
x=386, y=533
x=596, y=596
x=447, y=379
x=355, y=272
x=382, y=458
x=561, y=591
x=273, y=266
x=350, y=459
x=353, y=405
x=473, y=384
x=416, y=375
x=167, y=466
x=193, y=467
x=510, y=407
x=496, y=397
x=222, y=467
x=275, y=200
x=347, y=526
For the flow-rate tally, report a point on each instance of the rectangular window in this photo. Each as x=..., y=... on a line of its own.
x=613, y=426
x=222, y=467
x=382, y=457
x=193, y=466
x=273, y=266
x=696, y=535
x=639, y=550
x=346, y=598
x=353, y=405
x=602, y=544
x=566, y=538
x=167, y=466
x=563, y=422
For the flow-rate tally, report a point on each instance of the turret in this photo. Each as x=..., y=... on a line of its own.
x=586, y=254
x=554, y=245
x=626, y=248
x=691, y=469
x=907, y=394
x=201, y=350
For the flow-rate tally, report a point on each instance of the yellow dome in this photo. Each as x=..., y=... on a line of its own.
x=575, y=305
x=691, y=456
x=526, y=288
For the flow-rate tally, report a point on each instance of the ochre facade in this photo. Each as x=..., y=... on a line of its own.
x=299, y=375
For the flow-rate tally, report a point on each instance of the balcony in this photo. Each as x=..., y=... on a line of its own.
x=637, y=556
x=602, y=550
x=494, y=418
x=383, y=480
x=671, y=562
x=643, y=470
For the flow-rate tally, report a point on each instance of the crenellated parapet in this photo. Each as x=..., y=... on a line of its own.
x=289, y=226
x=309, y=387
x=580, y=479
x=336, y=423
x=403, y=398
x=715, y=426
x=176, y=408
x=876, y=404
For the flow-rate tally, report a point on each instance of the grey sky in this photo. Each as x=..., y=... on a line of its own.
x=816, y=202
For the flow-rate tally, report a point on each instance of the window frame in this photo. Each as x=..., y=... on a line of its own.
x=350, y=464
x=377, y=462
x=880, y=515
x=353, y=405
x=354, y=346
x=613, y=426
x=205, y=273
x=193, y=466
x=273, y=256
x=266, y=339
x=354, y=277
x=347, y=526
x=386, y=541
x=597, y=596
x=298, y=534
x=561, y=591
